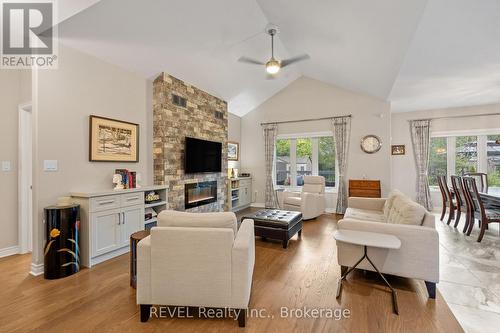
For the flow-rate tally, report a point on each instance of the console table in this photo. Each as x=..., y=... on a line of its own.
x=364, y=188
x=366, y=239
x=108, y=218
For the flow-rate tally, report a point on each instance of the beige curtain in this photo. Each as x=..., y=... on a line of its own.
x=421, y=141
x=341, y=135
x=270, y=132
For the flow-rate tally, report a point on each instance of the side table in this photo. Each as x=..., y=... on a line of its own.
x=134, y=239
x=366, y=239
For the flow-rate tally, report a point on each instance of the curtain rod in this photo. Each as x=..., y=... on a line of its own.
x=302, y=120
x=458, y=116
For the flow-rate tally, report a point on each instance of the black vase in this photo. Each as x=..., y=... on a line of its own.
x=62, y=251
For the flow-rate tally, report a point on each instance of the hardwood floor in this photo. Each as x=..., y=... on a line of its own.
x=304, y=275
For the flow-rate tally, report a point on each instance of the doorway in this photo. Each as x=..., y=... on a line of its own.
x=25, y=178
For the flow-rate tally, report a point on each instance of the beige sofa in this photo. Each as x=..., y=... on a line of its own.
x=196, y=260
x=397, y=215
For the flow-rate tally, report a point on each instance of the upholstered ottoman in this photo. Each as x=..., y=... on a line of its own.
x=276, y=224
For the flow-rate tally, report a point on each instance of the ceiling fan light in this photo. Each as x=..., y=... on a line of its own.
x=272, y=66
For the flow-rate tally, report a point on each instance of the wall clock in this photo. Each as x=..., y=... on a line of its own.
x=371, y=144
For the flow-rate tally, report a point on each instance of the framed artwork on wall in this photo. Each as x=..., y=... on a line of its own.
x=233, y=151
x=112, y=140
x=398, y=149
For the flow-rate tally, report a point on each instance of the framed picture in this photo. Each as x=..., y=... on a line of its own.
x=113, y=140
x=398, y=149
x=233, y=151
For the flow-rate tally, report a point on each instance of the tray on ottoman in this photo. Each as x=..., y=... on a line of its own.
x=276, y=224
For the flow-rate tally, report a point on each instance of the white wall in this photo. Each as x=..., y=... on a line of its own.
x=308, y=98
x=403, y=167
x=234, y=134
x=83, y=86
x=15, y=89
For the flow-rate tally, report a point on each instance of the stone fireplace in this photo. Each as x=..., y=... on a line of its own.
x=199, y=194
x=181, y=110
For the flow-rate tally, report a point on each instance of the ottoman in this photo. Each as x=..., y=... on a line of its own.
x=276, y=224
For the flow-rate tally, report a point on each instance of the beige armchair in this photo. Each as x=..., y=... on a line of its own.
x=311, y=202
x=196, y=260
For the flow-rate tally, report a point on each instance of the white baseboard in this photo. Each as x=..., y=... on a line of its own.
x=330, y=210
x=257, y=204
x=8, y=251
x=36, y=269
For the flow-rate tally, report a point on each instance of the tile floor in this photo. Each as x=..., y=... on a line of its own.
x=470, y=276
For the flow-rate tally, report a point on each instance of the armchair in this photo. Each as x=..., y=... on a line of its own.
x=196, y=260
x=311, y=202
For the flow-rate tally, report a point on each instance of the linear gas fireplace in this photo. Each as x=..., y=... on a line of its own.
x=198, y=194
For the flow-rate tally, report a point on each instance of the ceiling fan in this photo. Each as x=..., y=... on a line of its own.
x=273, y=66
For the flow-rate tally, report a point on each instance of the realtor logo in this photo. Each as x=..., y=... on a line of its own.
x=27, y=34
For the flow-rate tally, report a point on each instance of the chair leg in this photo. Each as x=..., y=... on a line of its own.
x=484, y=224
x=145, y=312
x=451, y=215
x=457, y=218
x=242, y=317
x=443, y=211
x=431, y=289
x=471, y=224
x=467, y=221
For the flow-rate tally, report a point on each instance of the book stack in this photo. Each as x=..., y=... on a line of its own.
x=128, y=178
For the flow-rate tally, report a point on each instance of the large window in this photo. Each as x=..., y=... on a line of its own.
x=458, y=155
x=493, y=163
x=437, y=160
x=465, y=154
x=283, y=162
x=297, y=157
x=326, y=159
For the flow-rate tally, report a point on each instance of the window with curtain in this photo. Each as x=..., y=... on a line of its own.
x=304, y=155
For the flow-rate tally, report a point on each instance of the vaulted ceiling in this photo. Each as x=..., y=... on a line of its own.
x=417, y=54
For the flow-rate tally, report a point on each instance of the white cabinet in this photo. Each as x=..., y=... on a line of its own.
x=240, y=193
x=109, y=218
x=106, y=231
x=131, y=221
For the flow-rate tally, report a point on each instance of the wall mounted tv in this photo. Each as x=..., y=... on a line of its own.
x=202, y=156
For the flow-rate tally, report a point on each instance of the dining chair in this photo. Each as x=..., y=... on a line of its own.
x=444, y=199
x=449, y=199
x=482, y=177
x=485, y=216
x=461, y=203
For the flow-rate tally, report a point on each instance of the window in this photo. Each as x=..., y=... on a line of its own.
x=465, y=155
x=493, y=163
x=437, y=160
x=326, y=159
x=303, y=159
x=458, y=155
x=297, y=157
x=283, y=162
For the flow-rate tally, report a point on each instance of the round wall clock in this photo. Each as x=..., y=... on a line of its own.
x=371, y=144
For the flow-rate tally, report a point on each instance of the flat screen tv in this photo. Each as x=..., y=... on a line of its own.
x=202, y=156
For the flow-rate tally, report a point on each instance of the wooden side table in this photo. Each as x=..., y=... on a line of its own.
x=134, y=239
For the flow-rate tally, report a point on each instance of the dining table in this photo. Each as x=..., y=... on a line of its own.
x=490, y=200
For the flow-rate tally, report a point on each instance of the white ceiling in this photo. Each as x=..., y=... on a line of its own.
x=454, y=59
x=418, y=56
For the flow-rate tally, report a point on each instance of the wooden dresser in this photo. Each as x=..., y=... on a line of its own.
x=364, y=188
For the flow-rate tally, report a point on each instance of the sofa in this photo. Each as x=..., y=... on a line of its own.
x=311, y=202
x=196, y=260
x=396, y=215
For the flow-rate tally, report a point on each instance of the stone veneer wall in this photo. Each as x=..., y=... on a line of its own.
x=172, y=124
